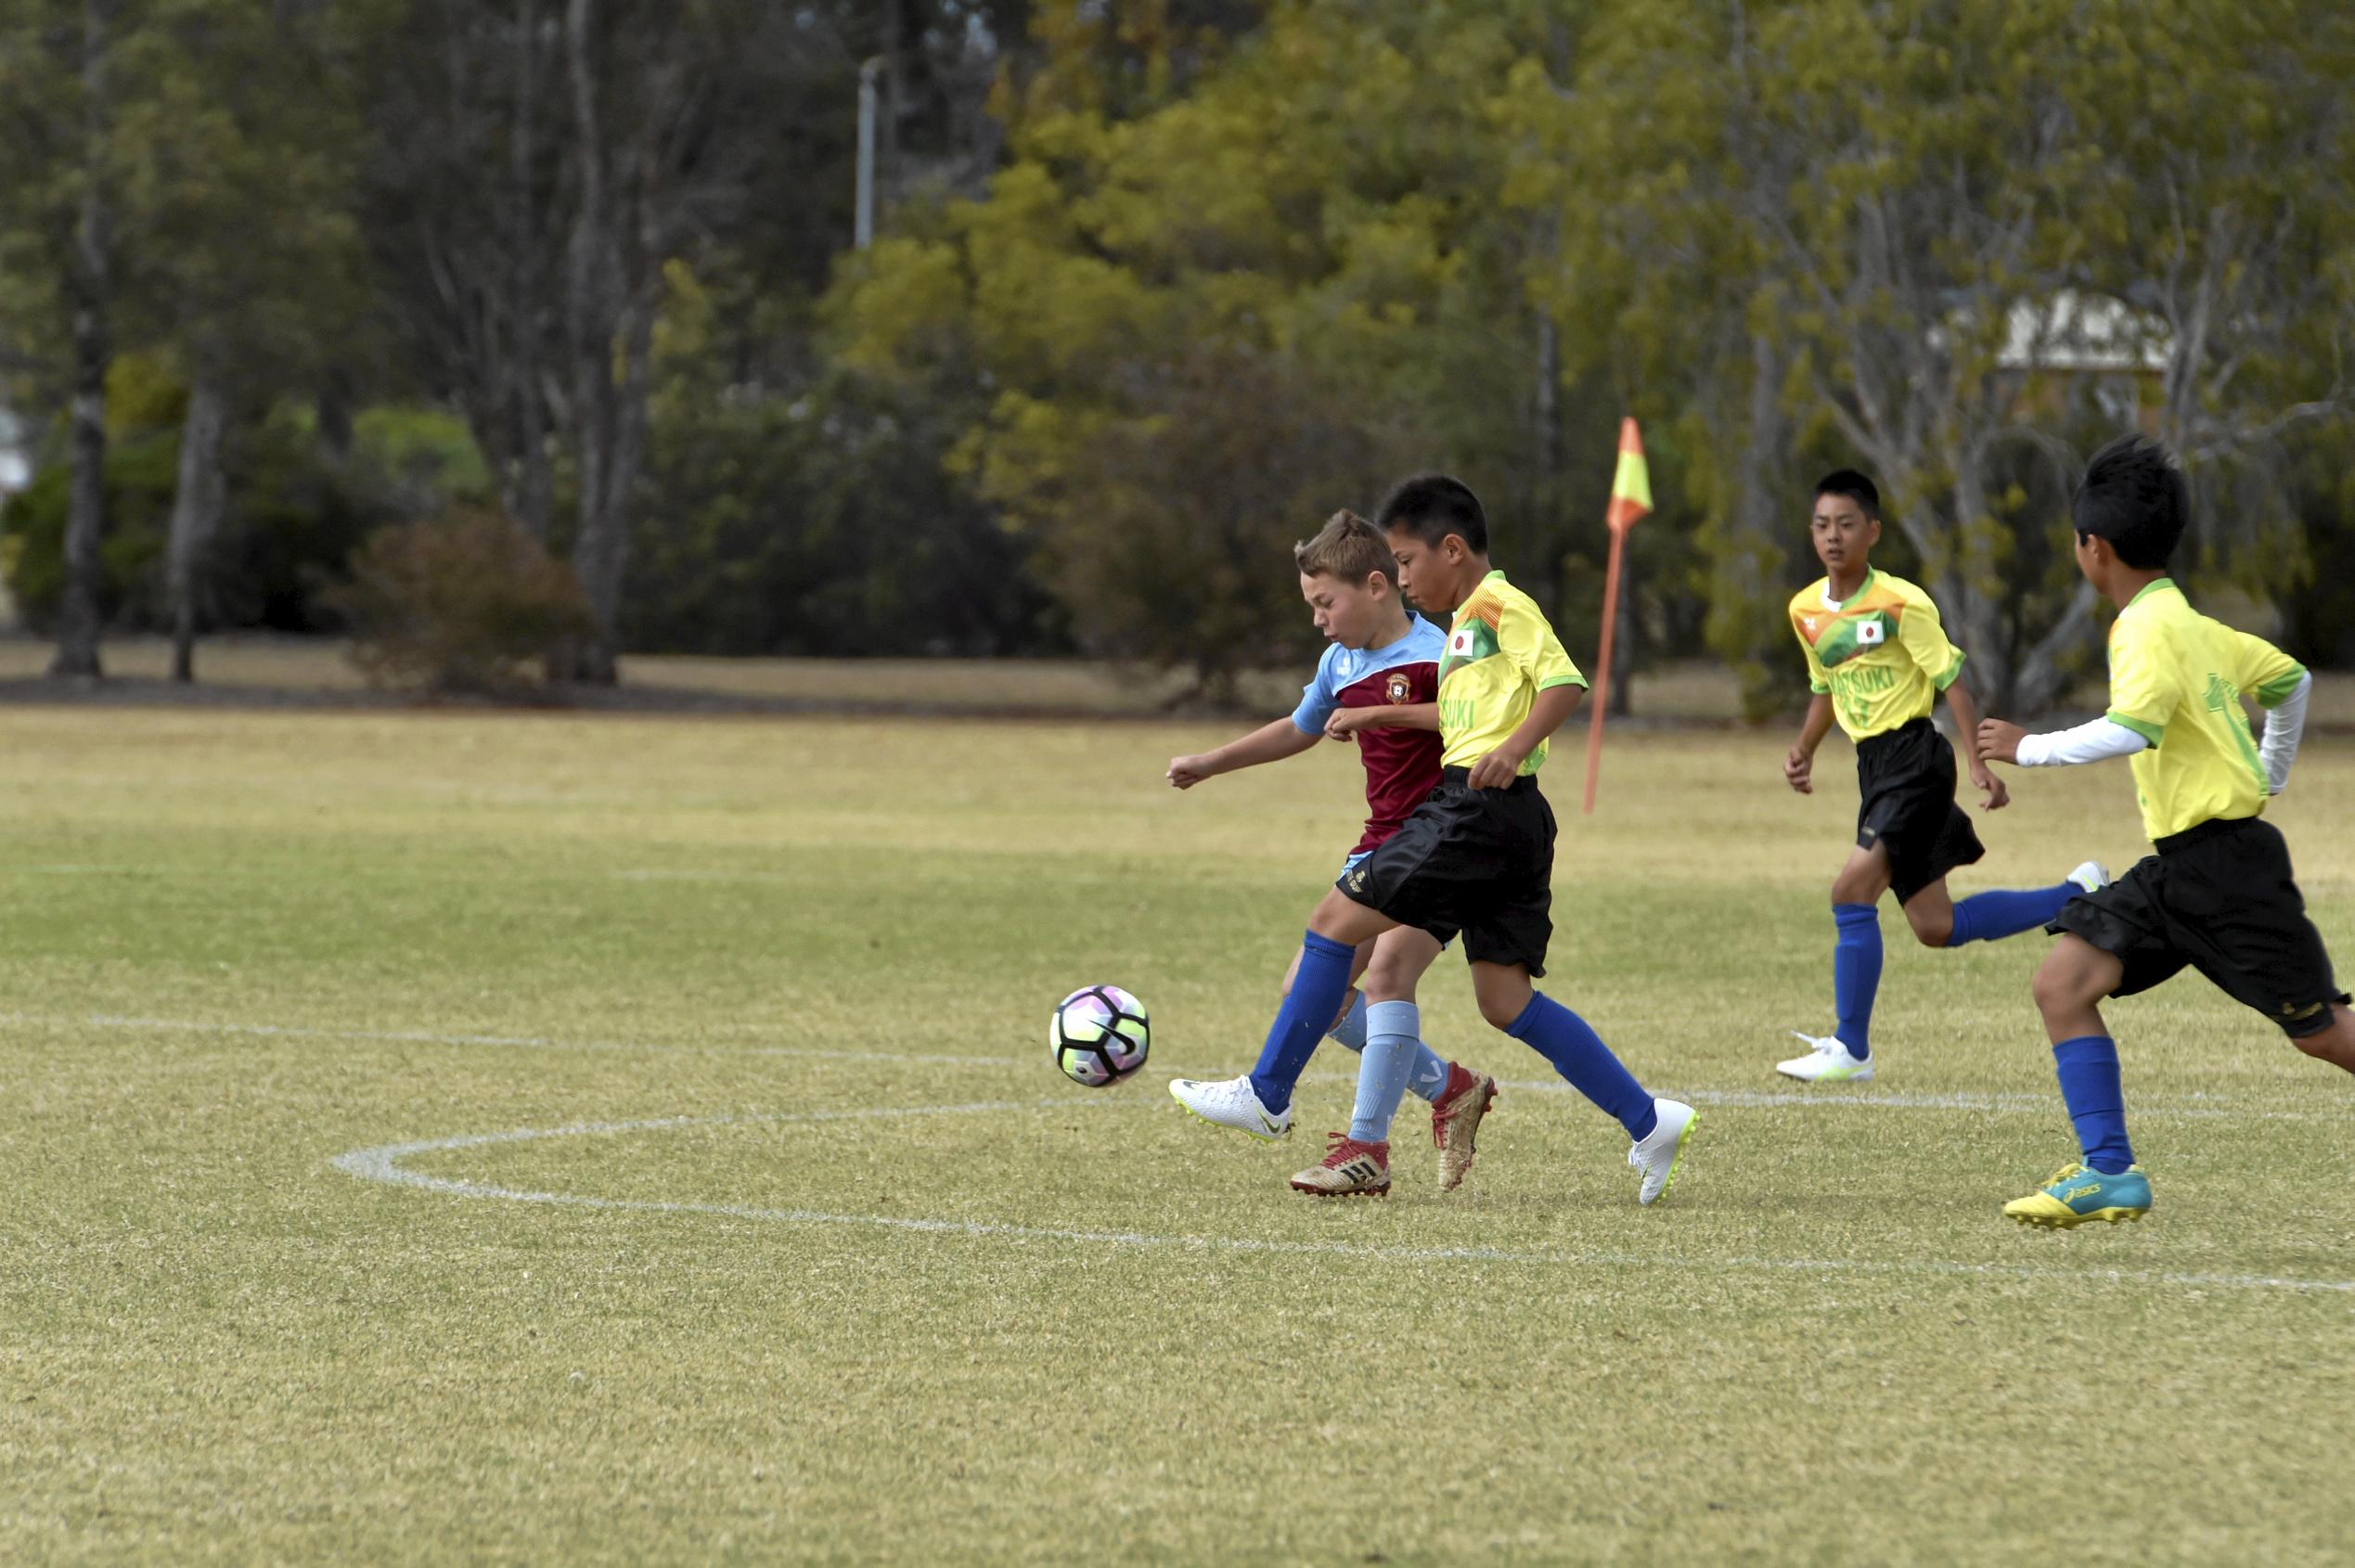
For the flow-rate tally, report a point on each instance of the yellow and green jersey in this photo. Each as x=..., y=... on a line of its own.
x=1501, y=652
x=2176, y=680
x=1880, y=652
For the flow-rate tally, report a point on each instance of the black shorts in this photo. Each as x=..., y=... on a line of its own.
x=2220, y=898
x=1474, y=861
x=1905, y=800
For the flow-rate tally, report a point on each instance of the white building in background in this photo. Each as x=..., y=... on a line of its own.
x=15, y=460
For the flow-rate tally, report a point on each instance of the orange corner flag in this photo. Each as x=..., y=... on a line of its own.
x=1630, y=498
x=1631, y=486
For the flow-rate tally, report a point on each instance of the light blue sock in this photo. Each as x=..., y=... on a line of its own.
x=1427, y=1078
x=1392, y=1031
x=1351, y=1030
x=1990, y=917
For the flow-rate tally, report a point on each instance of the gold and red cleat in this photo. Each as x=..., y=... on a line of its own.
x=1455, y=1120
x=1350, y=1170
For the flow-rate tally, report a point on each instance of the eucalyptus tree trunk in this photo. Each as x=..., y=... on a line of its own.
x=91, y=285
x=196, y=518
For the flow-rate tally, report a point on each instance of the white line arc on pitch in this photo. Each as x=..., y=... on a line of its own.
x=382, y=1163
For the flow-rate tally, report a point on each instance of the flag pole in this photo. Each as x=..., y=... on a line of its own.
x=1630, y=498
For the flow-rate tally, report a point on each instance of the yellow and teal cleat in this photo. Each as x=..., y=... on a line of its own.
x=2078, y=1194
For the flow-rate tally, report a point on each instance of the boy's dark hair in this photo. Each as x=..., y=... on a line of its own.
x=2134, y=497
x=1853, y=485
x=1349, y=548
x=1431, y=507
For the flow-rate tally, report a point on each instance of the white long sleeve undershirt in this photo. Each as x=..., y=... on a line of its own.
x=2085, y=743
x=2277, y=747
x=2284, y=727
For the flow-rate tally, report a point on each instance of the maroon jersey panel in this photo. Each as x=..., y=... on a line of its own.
x=1402, y=765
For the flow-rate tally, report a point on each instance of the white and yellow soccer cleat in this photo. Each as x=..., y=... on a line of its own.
x=1231, y=1102
x=1350, y=1169
x=1829, y=1062
x=1661, y=1151
x=2093, y=876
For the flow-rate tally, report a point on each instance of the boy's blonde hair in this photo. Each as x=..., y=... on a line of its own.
x=1347, y=548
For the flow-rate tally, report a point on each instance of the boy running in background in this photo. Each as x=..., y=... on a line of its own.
x=2219, y=895
x=1376, y=683
x=1476, y=856
x=1877, y=659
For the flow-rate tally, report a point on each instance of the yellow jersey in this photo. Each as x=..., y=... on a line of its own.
x=1881, y=652
x=2176, y=679
x=1501, y=652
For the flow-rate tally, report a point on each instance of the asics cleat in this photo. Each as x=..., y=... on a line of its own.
x=1455, y=1118
x=1661, y=1151
x=1829, y=1062
x=1231, y=1102
x=2093, y=876
x=1350, y=1169
x=2078, y=1194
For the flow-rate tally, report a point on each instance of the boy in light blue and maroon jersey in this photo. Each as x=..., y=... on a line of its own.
x=1377, y=684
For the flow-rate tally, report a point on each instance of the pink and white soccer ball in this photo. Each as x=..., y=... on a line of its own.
x=1099, y=1035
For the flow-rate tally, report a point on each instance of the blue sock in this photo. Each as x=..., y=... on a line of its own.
x=1989, y=916
x=2088, y=1066
x=1856, y=973
x=1317, y=989
x=1392, y=1031
x=1351, y=1030
x=1429, y=1074
x=1579, y=1055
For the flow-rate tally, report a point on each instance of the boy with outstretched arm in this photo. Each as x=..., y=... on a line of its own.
x=2218, y=895
x=1476, y=856
x=1877, y=660
x=1376, y=685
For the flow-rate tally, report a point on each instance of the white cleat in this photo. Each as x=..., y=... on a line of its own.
x=1231, y=1102
x=2093, y=876
x=1659, y=1154
x=1828, y=1061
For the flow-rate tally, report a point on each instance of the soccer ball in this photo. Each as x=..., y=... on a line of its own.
x=1099, y=1035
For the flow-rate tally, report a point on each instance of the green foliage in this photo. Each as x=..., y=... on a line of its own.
x=458, y=603
x=293, y=514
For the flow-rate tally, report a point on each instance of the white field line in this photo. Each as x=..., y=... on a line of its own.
x=2196, y=1107
x=382, y=1163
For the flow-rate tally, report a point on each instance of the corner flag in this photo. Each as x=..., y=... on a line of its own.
x=1630, y=498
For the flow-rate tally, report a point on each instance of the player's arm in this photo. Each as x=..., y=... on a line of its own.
x=2093, y=742
x=1993, y=796
x=1548, y=711
x=1798, y=767
x=2281, y=686
x=1346, y=722
x=1269, y=744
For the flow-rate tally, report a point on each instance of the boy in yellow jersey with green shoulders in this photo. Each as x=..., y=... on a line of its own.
x=1476, y=856
x=1877, y=660
x=2218, y=895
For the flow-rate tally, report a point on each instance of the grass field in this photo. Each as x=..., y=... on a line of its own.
x=813, y=1257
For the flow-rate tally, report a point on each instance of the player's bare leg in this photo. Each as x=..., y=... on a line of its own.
x=2334, y=1045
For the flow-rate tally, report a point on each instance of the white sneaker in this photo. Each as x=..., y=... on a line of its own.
x=1828, y=1061
x=2093, y=876
x=1659, y=1154
x=1231, y=1102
